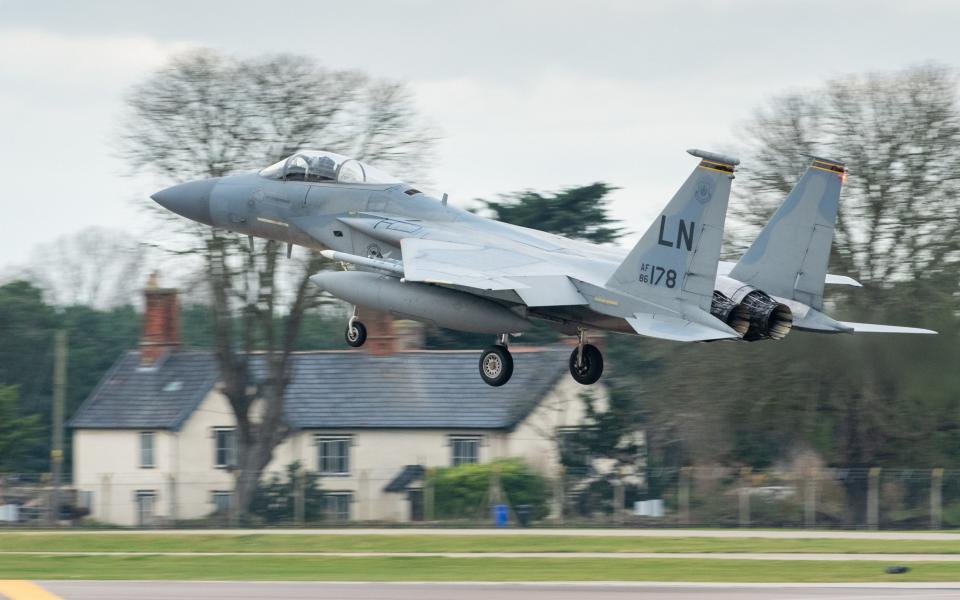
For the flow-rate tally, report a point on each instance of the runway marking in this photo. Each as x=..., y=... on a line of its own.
x=798, y=556
x=19, y=589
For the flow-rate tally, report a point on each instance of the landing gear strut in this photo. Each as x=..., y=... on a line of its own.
x=496, y=363
x=356, y=333
x=586, y=361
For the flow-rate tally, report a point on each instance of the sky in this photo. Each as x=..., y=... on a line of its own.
x=527, y=94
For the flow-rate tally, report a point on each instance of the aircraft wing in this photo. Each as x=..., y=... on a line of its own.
x=726, y=266
x=676, y=329
x=875, y=328
x=537, y=281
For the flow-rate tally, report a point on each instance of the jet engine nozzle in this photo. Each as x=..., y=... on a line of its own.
x=768, y=318
x=732, y=313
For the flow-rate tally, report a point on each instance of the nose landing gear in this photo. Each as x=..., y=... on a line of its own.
x=496, y=363
x=586, y=361
x=356, y=333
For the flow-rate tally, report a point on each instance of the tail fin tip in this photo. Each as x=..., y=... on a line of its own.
x=714, y=156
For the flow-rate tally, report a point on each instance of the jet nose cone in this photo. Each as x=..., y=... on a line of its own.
x=190, y=200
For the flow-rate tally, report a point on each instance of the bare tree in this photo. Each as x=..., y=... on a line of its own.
x=858, y=401
x=899, y=134
x=897, y=230
x=206, y=115
x=96, y=267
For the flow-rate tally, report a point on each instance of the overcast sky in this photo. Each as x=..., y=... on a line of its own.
x=530, y=94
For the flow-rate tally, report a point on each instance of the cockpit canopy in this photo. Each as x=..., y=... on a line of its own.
x=325, y=167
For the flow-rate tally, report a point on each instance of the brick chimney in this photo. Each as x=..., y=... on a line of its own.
x=387, y=335
x=161, y=321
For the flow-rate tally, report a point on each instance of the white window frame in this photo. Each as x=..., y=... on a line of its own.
x=138, y=496
x=349, y=506
x=215, y=494
x=152, y=436
x=457, y=459
x=323, y=462
x=231, y=458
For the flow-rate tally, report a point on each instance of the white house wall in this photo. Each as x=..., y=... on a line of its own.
x=534, y=439
x=106, y=462
x=184, y=477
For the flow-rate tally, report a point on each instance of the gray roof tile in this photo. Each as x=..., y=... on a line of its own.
x=335, y=390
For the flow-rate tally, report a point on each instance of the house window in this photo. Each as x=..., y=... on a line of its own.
x=146, y=450
x=464, y=450
x=573, y=443
x=336, y=506
x=224, y=447
x=222, y=502
x=334, y=455
x=146, y=501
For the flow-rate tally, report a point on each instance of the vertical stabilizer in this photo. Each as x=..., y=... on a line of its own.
x=789, y=257
x=676, y=259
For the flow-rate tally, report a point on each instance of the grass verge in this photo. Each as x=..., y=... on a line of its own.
x=146, y=542
x=459, y=569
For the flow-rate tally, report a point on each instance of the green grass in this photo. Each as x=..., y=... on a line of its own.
x=172, y=542
x=459, y=569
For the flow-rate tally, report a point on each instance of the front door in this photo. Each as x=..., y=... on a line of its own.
x=416, y=504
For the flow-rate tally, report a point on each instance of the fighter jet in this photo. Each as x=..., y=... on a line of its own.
x=421, y=258
x=418, y=257
x=783, y=273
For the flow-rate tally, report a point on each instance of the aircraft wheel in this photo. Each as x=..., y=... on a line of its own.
x=496, y=365
x=589, y=370
x=356, y=334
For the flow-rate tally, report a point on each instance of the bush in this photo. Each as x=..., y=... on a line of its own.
x=273, y=502
x=463, y=492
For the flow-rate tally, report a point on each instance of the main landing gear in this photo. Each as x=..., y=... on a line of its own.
x=356, y=333
x=586, y=361
x=496, y=363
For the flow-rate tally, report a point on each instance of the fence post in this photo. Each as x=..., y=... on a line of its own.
x=428, y=497
x=683, y=495
x=619, y=495
x=299, y=498
x=560, y=500
x=105, y=498
x=744, y=497
x=873, y=498
x=936, y=499
x=810, y=498
x=174, y=504
x=365, y=509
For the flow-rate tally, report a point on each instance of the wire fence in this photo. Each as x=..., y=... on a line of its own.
x=860, y=498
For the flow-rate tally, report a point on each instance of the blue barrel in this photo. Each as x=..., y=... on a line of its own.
x=501, y=515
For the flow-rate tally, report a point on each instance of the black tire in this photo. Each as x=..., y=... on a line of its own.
x=590, y=370
x=356, y=334
x=496, y=366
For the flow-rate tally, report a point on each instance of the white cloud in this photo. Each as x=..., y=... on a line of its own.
x=60, y=96
x=565, y=128
x=79, y=60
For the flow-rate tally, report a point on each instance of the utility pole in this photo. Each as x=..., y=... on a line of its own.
x=59, y=399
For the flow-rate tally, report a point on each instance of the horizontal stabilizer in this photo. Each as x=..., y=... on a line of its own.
x=725, y=266
x=841, y=280
x=874, y=328
x=678, y=330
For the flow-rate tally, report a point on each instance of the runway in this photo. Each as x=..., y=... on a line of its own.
x=176, y=590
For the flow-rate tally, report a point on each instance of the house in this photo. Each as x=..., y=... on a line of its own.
x=155, y=440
